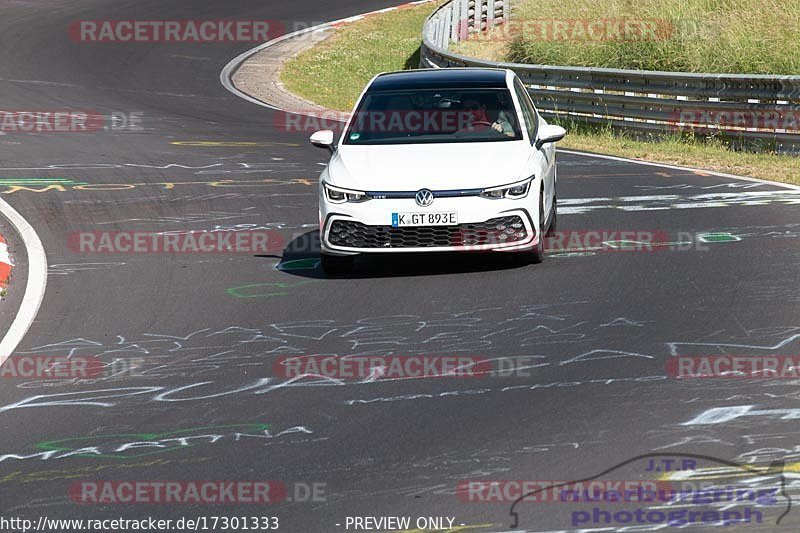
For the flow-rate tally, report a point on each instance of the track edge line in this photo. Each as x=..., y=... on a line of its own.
x=676, y=167
x=34, y=287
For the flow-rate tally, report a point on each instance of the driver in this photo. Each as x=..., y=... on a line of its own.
x=479, y=117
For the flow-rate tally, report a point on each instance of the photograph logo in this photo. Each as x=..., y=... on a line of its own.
x=682, y=504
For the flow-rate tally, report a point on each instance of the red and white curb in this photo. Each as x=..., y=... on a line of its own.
x=226, y=75
x=34, y=286
x=342, y=22
x=6, y=264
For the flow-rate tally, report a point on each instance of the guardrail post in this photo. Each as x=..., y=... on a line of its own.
x=471, y=15
x=463, y=20
x=447, y=30
x=454, y=22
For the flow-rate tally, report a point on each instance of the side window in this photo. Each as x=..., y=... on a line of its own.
x=533, y=107
x=528, y=111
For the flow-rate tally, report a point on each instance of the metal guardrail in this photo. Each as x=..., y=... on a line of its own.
x=752, y=111
x=458, y=19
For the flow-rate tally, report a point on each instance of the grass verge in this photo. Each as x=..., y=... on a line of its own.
x=334, y=73
x=694, y=152
x=673, y=35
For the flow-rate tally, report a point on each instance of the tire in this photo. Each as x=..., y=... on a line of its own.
x=337, y=265
x=536, y=255
x=551, y=229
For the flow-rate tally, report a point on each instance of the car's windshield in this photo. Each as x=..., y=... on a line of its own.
x=434, y=116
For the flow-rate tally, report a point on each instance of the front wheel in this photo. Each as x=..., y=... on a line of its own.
x=551, y=229
x=536, y=255
x=337, y=265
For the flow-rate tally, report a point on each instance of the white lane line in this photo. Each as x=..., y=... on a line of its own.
x=732, y=196
x=685, y=169
x=35, y=286
x=577, y=206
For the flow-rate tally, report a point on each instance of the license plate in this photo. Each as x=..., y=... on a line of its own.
x=424, y=219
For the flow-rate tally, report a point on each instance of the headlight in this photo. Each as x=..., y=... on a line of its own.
x=337, y=195
x=512, y=190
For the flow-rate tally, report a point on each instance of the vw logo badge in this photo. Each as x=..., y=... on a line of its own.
x=424, y=198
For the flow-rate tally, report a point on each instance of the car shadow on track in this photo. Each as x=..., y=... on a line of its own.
x=301, y=258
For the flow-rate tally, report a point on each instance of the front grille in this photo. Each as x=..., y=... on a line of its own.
x=350, y=234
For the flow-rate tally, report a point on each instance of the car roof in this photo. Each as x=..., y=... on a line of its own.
x=445, y=78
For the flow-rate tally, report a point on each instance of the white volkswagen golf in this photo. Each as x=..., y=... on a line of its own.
x=435, y=161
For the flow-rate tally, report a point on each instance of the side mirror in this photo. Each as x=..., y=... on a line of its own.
x=323, y=139
x=550, y=134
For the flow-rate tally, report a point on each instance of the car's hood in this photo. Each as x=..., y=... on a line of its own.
x=429, y=166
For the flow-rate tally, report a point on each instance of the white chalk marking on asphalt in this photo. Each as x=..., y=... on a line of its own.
x=34, y=289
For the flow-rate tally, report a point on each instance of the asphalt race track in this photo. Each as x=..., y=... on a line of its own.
x=597, y=327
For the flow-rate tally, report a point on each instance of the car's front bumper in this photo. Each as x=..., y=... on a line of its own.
x=483, y=225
